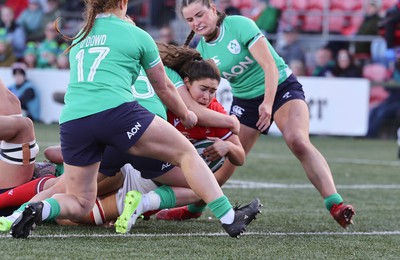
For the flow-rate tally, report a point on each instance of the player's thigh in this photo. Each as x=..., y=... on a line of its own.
x=16, y=129
x=293, y=118
x=163, y=142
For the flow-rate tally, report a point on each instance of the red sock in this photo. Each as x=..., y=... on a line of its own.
x=23, y=193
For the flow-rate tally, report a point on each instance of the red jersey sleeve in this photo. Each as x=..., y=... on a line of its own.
x=198, y=133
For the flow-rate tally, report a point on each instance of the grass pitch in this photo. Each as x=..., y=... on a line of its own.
x=294, y=223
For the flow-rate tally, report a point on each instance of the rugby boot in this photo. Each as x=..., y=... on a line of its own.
x=243, y=216
x=343, y=214
x=178, y=214
x=30, y=217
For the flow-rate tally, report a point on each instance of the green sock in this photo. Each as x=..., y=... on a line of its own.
x=167, y=195
x=22, y=207
x=219, y=207
x=332, y=199
x=196, y=209
x=59, y=170
x=54, y=209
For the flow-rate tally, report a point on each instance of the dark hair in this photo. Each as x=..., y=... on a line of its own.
x=207, y=3
x=92, y=8
x=200, y=69
x=19, y=71
x=185, y=3
x=175, y=56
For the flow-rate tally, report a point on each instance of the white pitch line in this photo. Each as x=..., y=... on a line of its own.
x=395, y=163
x=331, y=160
x=221, y=234
x=238, y=184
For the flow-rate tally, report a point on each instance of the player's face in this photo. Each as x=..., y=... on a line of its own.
x=203, y=91
x=201, y=19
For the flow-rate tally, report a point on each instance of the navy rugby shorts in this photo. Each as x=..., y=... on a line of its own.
x=83, y=140
x=246, y=110
x=114, y=159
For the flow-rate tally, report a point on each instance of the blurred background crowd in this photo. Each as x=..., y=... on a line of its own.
x=321, y=38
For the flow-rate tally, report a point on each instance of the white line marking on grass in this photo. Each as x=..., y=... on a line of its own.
x=332, y=160
x=238, y=184
x=221, y=234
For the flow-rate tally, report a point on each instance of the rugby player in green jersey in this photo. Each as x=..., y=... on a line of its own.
x=100, y=110
x=264, y=90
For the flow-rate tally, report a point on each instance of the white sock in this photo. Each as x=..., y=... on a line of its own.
x=151, y=201
x=228, y=217
x=14, y=216
x=46, y=210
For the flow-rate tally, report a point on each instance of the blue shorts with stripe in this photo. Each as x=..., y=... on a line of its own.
x=83, y=140
x=246, y=110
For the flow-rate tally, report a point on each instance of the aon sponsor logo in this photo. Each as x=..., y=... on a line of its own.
x=238, y=69
x=134, y=130
x=165, y=166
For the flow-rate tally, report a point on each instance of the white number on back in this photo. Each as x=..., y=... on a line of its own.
x=102, y=53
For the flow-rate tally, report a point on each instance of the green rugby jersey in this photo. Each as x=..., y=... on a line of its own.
x=103, y=66
x=230, y=51
x=144, y=93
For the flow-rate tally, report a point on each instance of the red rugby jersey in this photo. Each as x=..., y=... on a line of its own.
x=198, y=133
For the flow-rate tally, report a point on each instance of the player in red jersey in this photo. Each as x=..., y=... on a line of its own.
x=203, y=89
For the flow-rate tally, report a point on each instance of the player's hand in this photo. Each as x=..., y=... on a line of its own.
x=190, y=120
x=265, y=115
x=219, y=149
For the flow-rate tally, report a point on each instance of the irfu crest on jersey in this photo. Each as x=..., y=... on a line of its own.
x=234, y=47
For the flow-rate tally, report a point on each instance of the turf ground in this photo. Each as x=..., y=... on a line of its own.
x=294, y=223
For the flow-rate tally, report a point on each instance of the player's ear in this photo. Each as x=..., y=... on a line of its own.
x=186, y=81
x=213, y=7
x=122, y=4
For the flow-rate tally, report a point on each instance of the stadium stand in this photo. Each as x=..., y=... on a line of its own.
x=337, y=21
x=316, y=4
x=312, y=22
x=279, y=4
x=299, y=5
x=376, y=73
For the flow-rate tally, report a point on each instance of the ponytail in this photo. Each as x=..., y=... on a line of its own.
x=189, y=38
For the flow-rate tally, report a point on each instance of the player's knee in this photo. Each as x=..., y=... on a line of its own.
x=53, y=154
x=184, y=154
x=191, y=154
x=298, y=145
x=28, y=124
x=87, y=205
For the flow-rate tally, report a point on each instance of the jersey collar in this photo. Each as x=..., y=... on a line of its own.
x=220, y=36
